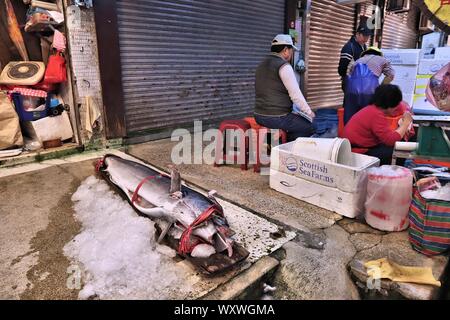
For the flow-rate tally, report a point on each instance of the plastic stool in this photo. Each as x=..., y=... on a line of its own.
x=221, y=154
x=261, y=132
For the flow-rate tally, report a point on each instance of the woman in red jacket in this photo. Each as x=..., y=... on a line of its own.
x=369, y=129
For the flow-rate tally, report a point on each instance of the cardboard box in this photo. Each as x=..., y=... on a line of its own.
x=421, y=83
x=428, y=66
x=405, y=72
x=442, y=53
x=402, y=56
x=49, y=128
x=347, y=204
x=327, y=173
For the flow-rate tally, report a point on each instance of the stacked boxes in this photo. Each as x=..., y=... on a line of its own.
x=405, y=63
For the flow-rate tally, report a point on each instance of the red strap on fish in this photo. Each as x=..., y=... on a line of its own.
x=99, y=164
x=135, y=194
x=185, y=246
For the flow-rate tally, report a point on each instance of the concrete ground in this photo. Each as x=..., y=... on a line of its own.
x=37, y=221
x=322, y=262
x=325, y=260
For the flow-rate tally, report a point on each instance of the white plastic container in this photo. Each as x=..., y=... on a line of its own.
x=389, y=194
x=335, y=150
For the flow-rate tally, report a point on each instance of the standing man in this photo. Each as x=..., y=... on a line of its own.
x=352, y=50
x=277, y=91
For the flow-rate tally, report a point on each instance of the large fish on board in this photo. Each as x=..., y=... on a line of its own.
x=203, y=227
x=14, y=31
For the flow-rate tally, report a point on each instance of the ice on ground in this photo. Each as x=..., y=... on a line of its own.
x=117, y=250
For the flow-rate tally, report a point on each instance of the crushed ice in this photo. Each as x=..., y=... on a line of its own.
x=117, y=250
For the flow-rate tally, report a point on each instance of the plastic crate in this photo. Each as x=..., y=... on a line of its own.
x=325, y=119
x=25, y=115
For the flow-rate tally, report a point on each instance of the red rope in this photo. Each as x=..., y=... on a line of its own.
x=99, y=164
x=135, y=194
x=185, y=245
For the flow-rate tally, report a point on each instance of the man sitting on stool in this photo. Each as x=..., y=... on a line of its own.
x=277, y=90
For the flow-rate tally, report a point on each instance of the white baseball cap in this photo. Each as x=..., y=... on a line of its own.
x=283, y=39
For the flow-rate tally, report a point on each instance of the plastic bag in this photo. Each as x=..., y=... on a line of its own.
x=10, y=133
x=389, y=190
x=360, y=86
x=438, y=89
x=39, y=20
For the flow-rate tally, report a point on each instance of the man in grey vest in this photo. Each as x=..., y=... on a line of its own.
x=279, y=102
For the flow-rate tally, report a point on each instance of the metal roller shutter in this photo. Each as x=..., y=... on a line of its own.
x=185, y=60
x=399, y=29
x=330, y=27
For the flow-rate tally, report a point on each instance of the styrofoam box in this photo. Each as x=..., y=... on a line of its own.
x=442, y=53
x=49, y=128
x=407, y=86
x=402, y=56
x=408, y=98
x=347, y=204
x=327, y=173
x=405, y=72
x=421, y=103
x=428, y=66
x=421, y=83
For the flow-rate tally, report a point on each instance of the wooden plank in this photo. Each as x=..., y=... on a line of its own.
x=110, y=67
x=8, y=51
x=31, y=40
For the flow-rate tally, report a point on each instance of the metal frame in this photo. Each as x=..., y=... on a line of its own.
x=306, y=40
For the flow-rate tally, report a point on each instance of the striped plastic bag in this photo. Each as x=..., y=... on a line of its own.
x=429, y=224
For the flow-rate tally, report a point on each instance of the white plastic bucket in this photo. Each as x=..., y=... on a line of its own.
x=336, y=150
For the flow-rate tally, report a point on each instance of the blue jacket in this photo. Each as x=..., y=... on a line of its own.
x=351, y=50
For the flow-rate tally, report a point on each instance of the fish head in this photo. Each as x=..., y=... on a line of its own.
x=186, y=215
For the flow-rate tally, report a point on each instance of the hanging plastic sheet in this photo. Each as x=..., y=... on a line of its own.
x=438, y=89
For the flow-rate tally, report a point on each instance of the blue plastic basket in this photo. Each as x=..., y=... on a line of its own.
x=29, y=115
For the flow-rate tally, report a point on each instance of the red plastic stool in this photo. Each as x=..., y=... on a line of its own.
x=261, y=134
x=221, y=153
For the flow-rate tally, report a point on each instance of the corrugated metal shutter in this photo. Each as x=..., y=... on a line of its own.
x=185, y=60
x=399, y=29
x=331, y=26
